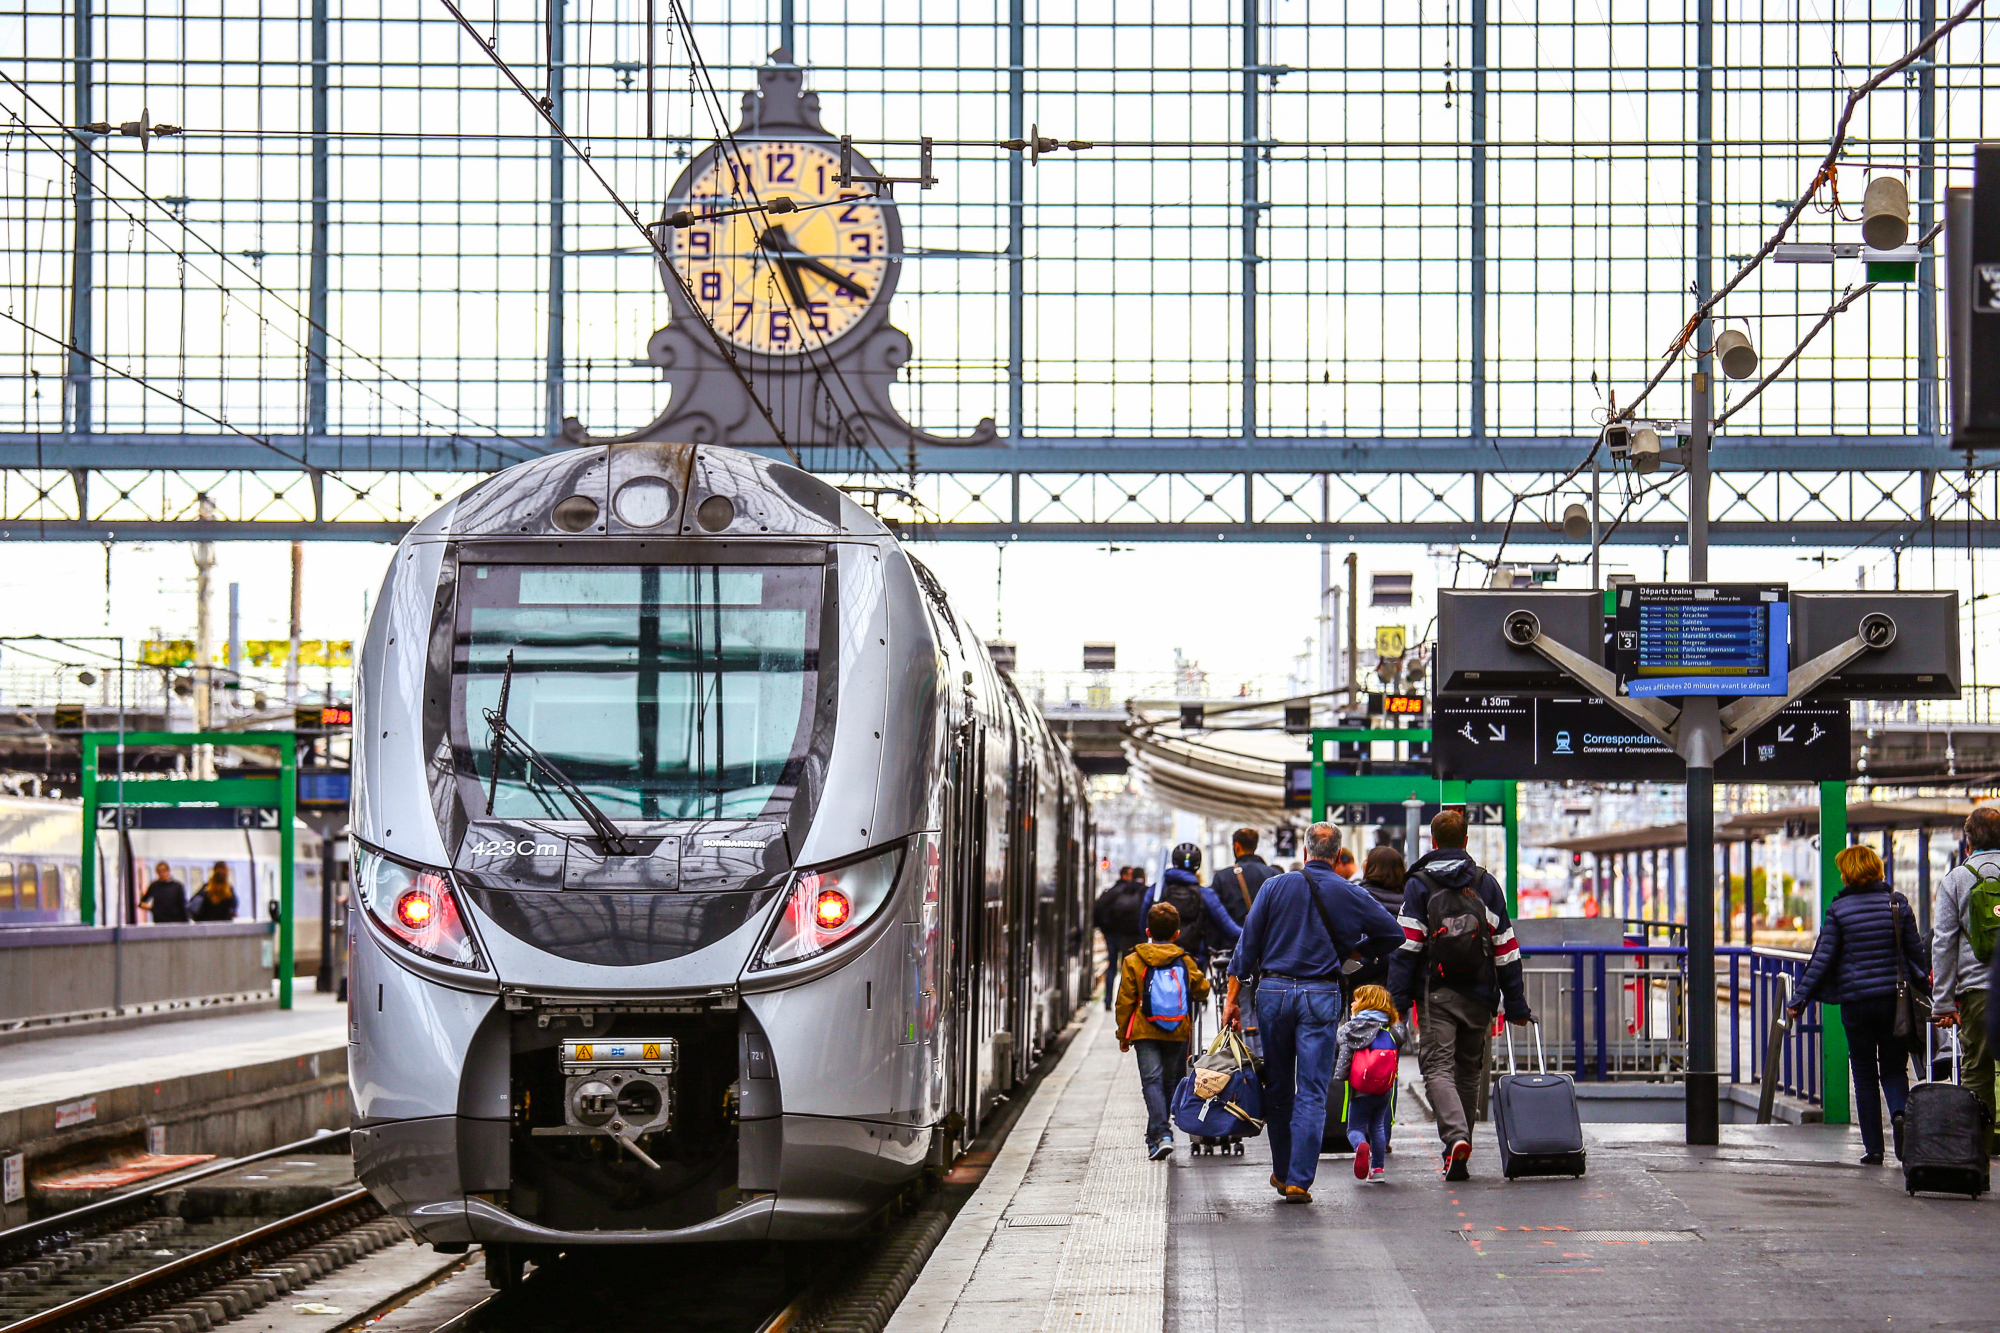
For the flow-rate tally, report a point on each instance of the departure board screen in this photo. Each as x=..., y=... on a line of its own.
x=1702, y=638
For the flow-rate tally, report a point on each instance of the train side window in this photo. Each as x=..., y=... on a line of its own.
x=6, y=886
x=52, y=899
x=26, y=880
x=72, y=888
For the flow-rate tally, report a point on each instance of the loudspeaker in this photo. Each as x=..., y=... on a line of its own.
x=1921, y=661
x=1474, y=655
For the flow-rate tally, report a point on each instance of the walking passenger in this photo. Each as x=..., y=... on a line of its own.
x=1235, y=885
x=1158, y=989
x=1180, y=885
x=1855, y=963
x=1384, y=875
x=1965, y=923
x=1116, y=916
x=1459, y=958
x=1367, y=1070
x=1302, y=926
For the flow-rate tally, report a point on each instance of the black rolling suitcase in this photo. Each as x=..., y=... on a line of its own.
x=1945, y=1131
x=1536, y=1120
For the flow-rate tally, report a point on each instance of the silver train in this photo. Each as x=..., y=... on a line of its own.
x=714, y=883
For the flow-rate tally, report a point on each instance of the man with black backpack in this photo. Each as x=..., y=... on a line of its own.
x=1458, y=958
x=1965, y=927
x=1181, y=888
x=1116, y=916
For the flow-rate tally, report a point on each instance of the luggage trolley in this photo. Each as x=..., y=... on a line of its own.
x=1218, y=999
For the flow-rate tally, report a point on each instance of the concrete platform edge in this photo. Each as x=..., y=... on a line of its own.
x=934, y=1296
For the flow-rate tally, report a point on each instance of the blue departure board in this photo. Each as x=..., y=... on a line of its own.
x=1703, y=638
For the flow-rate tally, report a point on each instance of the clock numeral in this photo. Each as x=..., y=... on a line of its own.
x=743, y=309
x=847, y=214
x=711, y=286
x=863, y=243
x=816, y=315
x=781, y=327
x=701, y=243
x=822, y=177
x=779, y=168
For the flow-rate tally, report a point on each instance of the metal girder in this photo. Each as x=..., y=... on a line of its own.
x=1791, y=507
x=1030, y=454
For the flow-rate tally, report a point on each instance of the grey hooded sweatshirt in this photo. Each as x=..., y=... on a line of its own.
x=1357, y=1034
x=1953, y=967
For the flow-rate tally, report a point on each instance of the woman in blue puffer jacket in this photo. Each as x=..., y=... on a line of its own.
x=1854, y=963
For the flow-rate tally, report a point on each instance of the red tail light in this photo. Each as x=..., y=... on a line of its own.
x=417, y=907
x=831, y=909
x=826, y=906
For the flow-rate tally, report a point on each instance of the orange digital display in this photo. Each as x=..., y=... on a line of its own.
x=1402, y=703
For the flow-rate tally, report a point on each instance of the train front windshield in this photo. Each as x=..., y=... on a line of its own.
x=662, y=691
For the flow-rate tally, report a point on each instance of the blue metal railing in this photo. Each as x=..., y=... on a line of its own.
x=1616, y=1012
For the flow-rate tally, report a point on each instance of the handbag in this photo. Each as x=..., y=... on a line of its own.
x=1214, y=1069
x=1913, y=1006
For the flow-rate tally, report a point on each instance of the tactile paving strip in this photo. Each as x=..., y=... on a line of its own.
x=1112, y=1277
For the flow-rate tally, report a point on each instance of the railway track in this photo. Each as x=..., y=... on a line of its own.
x=134, y=1257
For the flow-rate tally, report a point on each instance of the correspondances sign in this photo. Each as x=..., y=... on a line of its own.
x=1553, y=740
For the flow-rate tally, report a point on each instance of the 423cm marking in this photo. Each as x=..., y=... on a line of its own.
x=514, y=847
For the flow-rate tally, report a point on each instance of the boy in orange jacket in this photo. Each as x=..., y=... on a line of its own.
x=1148, y=990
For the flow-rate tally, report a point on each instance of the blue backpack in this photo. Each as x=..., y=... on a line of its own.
x=1164, y=997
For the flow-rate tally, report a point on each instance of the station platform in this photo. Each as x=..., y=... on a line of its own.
x=226, y=1084
x=1778, y=1227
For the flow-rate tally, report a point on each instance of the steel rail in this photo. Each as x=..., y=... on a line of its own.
x=35, y=1235
x=102, y=1308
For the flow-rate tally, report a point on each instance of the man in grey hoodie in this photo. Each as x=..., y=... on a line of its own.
x=1958, y=976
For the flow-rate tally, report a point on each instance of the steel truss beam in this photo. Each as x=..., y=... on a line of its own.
x=1296, y=453
x=1748, y=507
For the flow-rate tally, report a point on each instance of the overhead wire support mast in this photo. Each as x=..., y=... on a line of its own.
x=652, y=240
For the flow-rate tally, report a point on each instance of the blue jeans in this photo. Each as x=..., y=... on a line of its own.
x=1160, y=1066
x=1368, y=1122
x=1880, y=1063
x=1300, y=1023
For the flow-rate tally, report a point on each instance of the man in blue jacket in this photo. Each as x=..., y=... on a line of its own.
x=1302, y=927
x=1458, y=958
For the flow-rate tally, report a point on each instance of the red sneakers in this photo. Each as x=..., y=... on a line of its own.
x=1361, y=1162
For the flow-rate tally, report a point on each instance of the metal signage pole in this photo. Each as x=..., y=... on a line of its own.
x=1700, y=742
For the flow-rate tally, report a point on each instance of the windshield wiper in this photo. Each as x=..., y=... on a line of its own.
x=506, y=736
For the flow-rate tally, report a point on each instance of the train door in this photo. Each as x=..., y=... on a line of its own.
x=965, y=847
x=1021, y=910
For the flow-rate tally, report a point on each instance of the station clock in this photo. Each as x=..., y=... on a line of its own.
x=783, y=283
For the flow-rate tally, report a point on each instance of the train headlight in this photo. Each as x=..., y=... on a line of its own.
x=828, y=904
x=418, y=907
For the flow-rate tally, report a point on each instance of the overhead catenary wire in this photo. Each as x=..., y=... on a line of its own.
x=1813, y=333
x=1825, y=174
x=1827, y=168
x=147, y=384
x=251, y=278
x=718, y=117
x=547, y=113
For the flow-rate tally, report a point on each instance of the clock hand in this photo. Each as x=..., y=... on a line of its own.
x=832, y=275
x=779, y=246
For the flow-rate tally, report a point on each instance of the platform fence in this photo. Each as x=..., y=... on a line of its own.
x=1613, y=1013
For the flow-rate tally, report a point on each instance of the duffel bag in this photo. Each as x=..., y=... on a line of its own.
x=1230, y=1113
